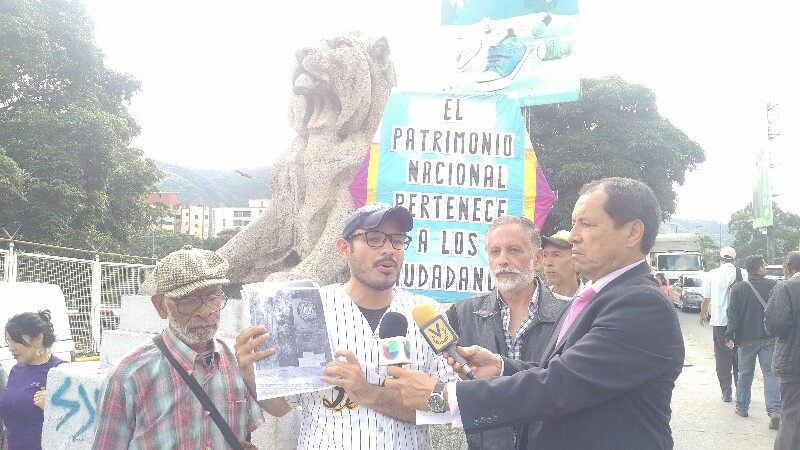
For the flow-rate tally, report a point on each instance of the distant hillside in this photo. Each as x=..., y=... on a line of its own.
x=225, y=188
x=216, y=188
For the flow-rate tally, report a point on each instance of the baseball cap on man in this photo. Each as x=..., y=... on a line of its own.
x=187, y=270
x=369, y=216
x=560, y=239
x=727, y=253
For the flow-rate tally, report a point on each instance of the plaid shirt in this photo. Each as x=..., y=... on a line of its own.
x=145, y=404
x=515, y=345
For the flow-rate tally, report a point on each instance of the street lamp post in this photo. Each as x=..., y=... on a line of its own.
x=247, y=175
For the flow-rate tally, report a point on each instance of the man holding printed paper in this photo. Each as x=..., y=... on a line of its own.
x=356, y=412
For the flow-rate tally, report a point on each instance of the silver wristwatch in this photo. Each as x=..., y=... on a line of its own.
x=436, y=399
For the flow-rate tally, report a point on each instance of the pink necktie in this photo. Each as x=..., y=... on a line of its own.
x=577, y=306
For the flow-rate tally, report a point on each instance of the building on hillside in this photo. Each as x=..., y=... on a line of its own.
x=193, y=219
x=232, y=218
x=170, y=200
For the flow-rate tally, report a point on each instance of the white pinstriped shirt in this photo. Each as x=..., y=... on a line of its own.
x=330, y=420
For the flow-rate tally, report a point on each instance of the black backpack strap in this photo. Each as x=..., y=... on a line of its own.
x=200, y=394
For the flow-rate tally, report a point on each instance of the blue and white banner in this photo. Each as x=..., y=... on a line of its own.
x=522, y=48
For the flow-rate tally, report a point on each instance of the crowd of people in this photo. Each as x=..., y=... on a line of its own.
x=756, y=318
x=587, y=357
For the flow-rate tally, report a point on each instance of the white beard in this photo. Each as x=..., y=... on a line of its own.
x=190, y=336
x=523, y=278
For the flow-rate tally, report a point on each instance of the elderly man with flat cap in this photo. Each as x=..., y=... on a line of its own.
x=145, y=404
x=559, y=269
x=356, y=412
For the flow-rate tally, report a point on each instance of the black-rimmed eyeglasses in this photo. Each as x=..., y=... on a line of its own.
x=190, y=305
x=376, y=239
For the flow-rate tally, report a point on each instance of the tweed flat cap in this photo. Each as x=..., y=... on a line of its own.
x=184, y=271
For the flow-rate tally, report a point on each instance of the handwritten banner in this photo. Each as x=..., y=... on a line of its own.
x=456, y=162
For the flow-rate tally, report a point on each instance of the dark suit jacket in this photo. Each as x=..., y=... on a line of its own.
x=608, y=385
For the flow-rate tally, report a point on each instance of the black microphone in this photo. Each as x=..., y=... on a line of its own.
x=394, y=347
x=439, y=334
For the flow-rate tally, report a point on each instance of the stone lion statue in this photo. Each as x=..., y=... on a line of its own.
x=341, y=88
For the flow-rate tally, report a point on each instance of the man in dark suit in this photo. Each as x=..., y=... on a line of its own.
x=606, y=378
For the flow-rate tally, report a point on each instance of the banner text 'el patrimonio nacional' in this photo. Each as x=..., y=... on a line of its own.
x=456, y=162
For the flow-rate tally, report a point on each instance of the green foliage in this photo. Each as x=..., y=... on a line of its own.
x=710, y=250
x=11, y=182
x=64, y=126
x=222, y=238
x=613, y=130
x=781, y=238
x=159, y=243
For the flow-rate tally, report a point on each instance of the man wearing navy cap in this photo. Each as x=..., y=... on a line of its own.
x=356, y=412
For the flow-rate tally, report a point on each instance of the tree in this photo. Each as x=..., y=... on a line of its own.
x=613, y=130
x=159, y=243
x=710, y=251
x=782, y=236
x=215, y=243
x=65, y=127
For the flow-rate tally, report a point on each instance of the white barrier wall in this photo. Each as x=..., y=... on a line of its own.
x=69, y=413
x=73, y=389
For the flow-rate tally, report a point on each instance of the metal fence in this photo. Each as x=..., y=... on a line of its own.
x=93, y=289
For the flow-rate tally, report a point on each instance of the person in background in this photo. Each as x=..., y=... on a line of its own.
x=515, y=319
x=663, y=283
x=3, y=382
x=782, y=320
x=559, y=269
x=746, y=332
x=717, y=294
x=29, y=336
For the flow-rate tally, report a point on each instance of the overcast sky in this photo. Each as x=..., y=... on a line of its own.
x=216, y=76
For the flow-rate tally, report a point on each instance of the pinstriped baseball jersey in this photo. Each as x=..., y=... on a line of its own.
x=330, y=419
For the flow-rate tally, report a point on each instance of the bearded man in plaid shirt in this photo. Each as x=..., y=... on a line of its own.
x=144, y=403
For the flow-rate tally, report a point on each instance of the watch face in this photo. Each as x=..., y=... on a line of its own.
x=436, y=403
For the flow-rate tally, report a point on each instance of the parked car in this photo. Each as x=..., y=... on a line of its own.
x=688, y=295
x=774, y=272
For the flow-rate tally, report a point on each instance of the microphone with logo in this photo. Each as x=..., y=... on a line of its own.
x=393, y=345
x=439, y=334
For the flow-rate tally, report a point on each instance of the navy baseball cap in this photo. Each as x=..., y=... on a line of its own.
x=369, y=216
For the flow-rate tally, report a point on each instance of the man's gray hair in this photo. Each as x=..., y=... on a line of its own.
x=534, y=237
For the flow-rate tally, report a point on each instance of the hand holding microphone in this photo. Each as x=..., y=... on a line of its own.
x=393, y=346
x=439, y=334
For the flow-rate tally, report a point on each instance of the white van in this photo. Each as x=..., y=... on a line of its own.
x=18, y=298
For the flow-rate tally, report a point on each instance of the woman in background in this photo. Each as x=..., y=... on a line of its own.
x=663, y=283
x=29, y=337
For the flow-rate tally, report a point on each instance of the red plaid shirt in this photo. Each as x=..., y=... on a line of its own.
x=146, y=405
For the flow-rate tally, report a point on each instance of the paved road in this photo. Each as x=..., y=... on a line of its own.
x=700, y=420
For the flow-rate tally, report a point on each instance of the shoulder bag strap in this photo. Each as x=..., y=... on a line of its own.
x=200, y=394
x=760, y=298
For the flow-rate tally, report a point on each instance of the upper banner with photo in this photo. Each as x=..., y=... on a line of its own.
x=522, y=48
x=457, y=162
